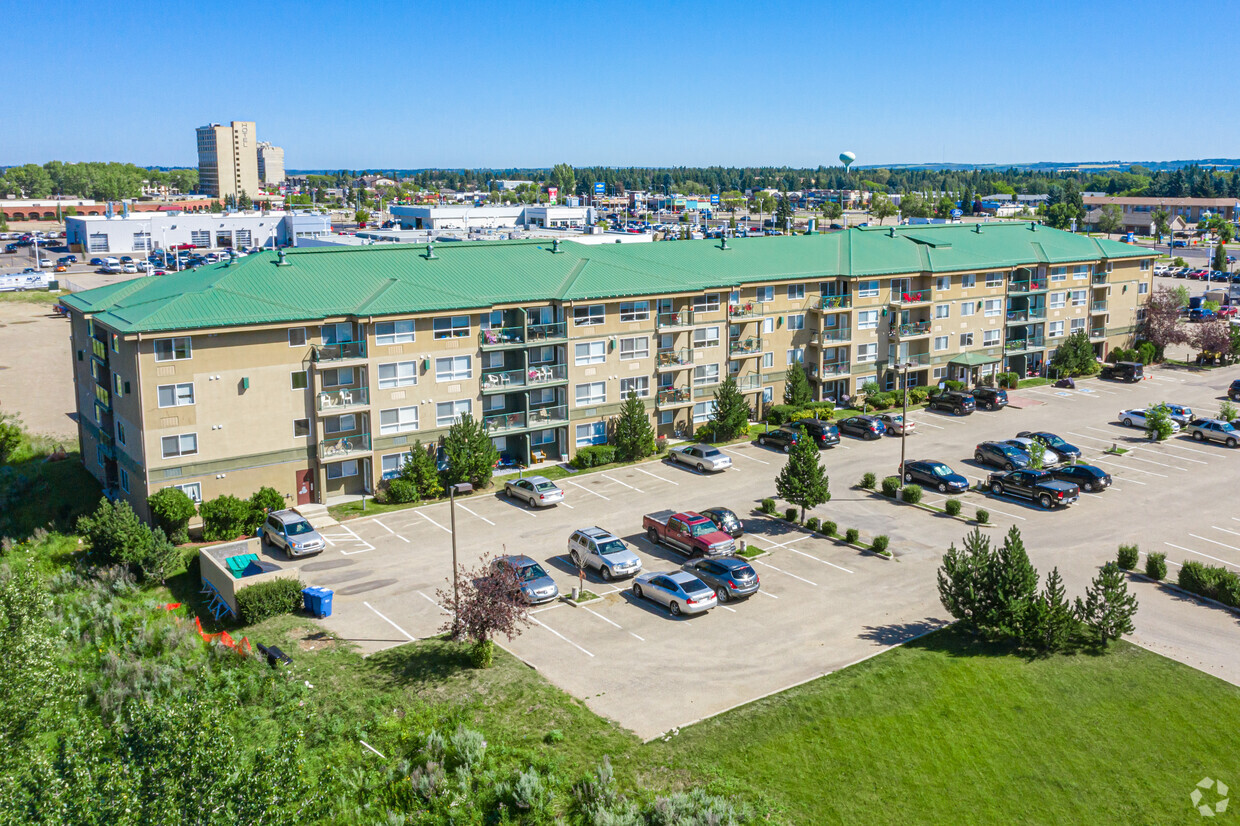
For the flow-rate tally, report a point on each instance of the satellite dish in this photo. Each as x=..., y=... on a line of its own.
x=847, y=159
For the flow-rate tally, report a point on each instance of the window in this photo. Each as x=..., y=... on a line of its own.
x=393, y=463
x=172, y=349
x=118, y=385
x=184, y=445
x=943, y=282
x=702, y=411
x=398, y=420
x=1057, y=300
x=1078, y=324
x=667, y=416
x=796, y=292
x=299, y=380
x=447, y=413
x=337, y=376
x=942, y=310
x=176, y=395
x=120, y=433
x=453, y=368
x=1143, y=288
x=1145, y=265
x=124, y=480
x=542, y=437
x=340, y=470
x=394, y=332
x=301, y=428
x=768, y=359
x=796, y=322
x=297, y=337
x=1055, y=329
x=768, y=324
x=994, y=279
x=97, y=242
x=967, y=308
x=193, y=490
x=938, y=373
x=588, y=316
x=590, y=352
x=990, y=338
x=336, y=333
x=706, y=374
x=966, y=339
x=1059, y=273
x=968, y=280
x=1080, y=271
x=867, y=320
x=994, y=306
x=634, y=348
x=940, y=342
x=456, y=326
x=706, y=337
x=591, y=393
x=634, y=310
x=398, y=374
x=768, y=395
x=593, y=433
x=867, y=352
x=1078, y=298
x=867, y=289
x=340, y=424
x=766, y=294
x=244, y=238
x=708, y=303
x=638, y=384
x=796, y=356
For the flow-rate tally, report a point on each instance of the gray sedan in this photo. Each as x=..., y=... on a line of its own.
x=702, y=457
x=681, y=592
x=537, y=491
x=731, y=578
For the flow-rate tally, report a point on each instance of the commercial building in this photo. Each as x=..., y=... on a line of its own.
x=228, y=159
x=316, y=371
x=1138, y=212
x=435, y=217
x=53, y=209
x=270, y=164
x=147, y=231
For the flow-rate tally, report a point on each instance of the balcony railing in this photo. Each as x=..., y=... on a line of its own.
x=547, y=332
x=1100, y=278
x=915, y=328
x=333, y=450
x=338, y=352
x=497, y=337
x=674, y=395
x=835, y=368
x=1030, y=314
x=1098, y=333
x=1028, y=343
x=833, y=334
x=504, y=422
x=1098, y=307
x=910, y=296
x=343, y=399
x=500, y=380
x=745, y=346
x=684, y=318
x=540, y=374
x=674, y=358
x=548, y=416
x=830, y=303
x=914, y=359
x=748, y=310
x=1032, y=285
x=749, y=382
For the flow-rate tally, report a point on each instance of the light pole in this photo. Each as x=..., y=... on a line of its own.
x=904, y=418
x=453, y=490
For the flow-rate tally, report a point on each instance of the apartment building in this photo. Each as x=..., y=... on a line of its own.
x=228, y=159
x=270, y=164
x=314, y=371
x=1137, y=213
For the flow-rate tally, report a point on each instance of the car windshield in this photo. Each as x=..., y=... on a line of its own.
x=298, y=528
x=710, y=452
x=941, y=471
x=530, y=573
x=1053, y=440
x=694, y=588
x=703, y=529
x=545, y=486
x=611, y=546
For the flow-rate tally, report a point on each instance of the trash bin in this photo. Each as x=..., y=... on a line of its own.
x=325, y=602
x=313, y=600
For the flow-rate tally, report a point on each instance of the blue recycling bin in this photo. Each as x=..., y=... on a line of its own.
x=325, y=602
x=313, y=600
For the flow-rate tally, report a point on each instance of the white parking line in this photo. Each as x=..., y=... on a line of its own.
x=643, y=639
x=483, y=518
x=618, y=482
x=1177, y=458
x=586, y=489
x=389, y=530
x=1179, y=446
x=823, y=561
x=1176, y=564
x=1216, y=542
x=1152, y=462
x=927, y=424
x=653, y=476
x=744, y=456
x=1126, y=467
x=561, y=636
x=565, y=504
x=433, y=522
x=1199, y=553
x=603, y=618
x=432, y=602
x=1226, y=530
x=356, y=538
x=794, y=576
x=548, y=607
x=408, y=636
x=767, y=594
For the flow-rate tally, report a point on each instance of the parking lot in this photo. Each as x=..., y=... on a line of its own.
x=822, y=605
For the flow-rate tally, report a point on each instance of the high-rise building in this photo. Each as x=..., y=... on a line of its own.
x=228, y=159
x=270, y=164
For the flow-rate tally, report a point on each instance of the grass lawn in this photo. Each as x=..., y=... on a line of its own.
x=36, y=493
x=950, y=730
x=33, y=297
x=1034, y=382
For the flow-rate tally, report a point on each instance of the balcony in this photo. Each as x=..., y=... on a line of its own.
x=341, y=351
x=333, y=400
x=504, y=422
x=103, y=398
x=749, y=311
x=501, y=381
x=549, y=416
x=835, y=368
x=344, y=447
x=1100, y=279
x=912, y=359
x=913, y=329
x=1023, y=316
x=910, y=298
x=674, y=397
x=1097, y=334
x=547, y=333
x=749, y=383
x=745, y=347
x=684, y=318
x=831, y=336
x=675, y=359
x=1097, y=307
x=1033, y=285
x=1022, y=344
x=541, y=375
x=500, y=338
x=830, y=303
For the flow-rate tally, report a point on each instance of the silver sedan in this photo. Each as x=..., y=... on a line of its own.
x=537, y=491
x=702, y=457
x=681, y=592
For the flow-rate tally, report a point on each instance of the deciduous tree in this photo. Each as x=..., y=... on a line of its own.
x=489, y=604
x=881, y=207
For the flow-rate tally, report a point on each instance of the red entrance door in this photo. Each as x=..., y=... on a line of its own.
x=305, y=487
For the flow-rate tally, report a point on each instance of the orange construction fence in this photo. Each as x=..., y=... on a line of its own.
x=224, y=638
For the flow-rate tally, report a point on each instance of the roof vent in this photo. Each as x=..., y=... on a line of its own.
x=555, y=245
x=724, y=245
x=281, y=262
x=430, y=252
x=1033, y=226
x=977, y=228
x=891, y=232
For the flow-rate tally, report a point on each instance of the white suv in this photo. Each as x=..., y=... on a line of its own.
x=291, y=531
x=603, y=551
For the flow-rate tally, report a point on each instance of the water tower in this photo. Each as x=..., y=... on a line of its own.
x=847, y=159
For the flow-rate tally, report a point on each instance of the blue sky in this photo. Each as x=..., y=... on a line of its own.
x=478, y=83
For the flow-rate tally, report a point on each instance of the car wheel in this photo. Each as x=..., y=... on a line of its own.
x=722, y=594
x=653, y=536
x=1087, y=487
x=996, y=487
x=977, y=457
x=1199, y=436
x=576, y=558
x=605, y=573
x=908, y=478
x=674, y=608
x=637, y=590
x=1231, y=442
x=870, y=434
x=1009, y=466
x=787, y=448
x=942, y=487
x=1127, y=422
x=701, y=468
x=1047, y=502
x=508, y=492
x=959, y=411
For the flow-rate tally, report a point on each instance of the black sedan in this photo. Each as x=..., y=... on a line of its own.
x=726, y=521
x=780, y=437
x=1086, y=477
x=1000, y=455
x=1050, y=440
x=865, y=427
x=936, y=475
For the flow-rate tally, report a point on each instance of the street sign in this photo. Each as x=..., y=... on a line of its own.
x=957, y=213
x=599, y=188
x=714, y=199
x=552, y=191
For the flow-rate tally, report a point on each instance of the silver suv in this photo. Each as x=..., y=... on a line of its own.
x=603, y=551
x=1216, y=430
x=291, y=531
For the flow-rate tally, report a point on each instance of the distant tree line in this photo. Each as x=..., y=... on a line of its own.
x=95, y=180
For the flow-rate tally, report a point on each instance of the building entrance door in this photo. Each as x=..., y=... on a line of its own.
x=305, y=487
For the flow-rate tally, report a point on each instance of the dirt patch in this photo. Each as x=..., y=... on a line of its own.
x=36, y=365
x=317, y=641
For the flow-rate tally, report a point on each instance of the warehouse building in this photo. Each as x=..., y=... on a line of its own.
x=149, y=231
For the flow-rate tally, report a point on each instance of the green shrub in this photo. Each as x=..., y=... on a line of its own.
x=768, y=506
x=779, y=414
x=401, y=491
x=1009, y=381
x=267, y=499
x=790, y=514
x=851, y=535
x=1147, y=352
x=1156, y=566
x=891, y=485
x=828, y=527
x=952, y=506
x=268, y=599
x=172, y=509
x=116, y=534
x=1213, y=581
x=161, y=560
x=983, y=516
x=879, y=544
x=224, y=518
x=812, y=523
x=918, y=395
x=1128, y=557
x=594, y=456
x=554, y=736
x=952, y=384
x=911, y=494
x=868, y=480
x=482, y=654
x=822, y=410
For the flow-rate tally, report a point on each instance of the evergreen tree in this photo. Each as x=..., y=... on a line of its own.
x=1219, y=263
x=1108, y=608
x=731, y=414
x=1013, y=587
x=1053, y=619
x=803, y=480
x=962, y=580
x=1075, y=357
x=470, y=452
x=420, y=470
x=634, y=435
x=796, y=385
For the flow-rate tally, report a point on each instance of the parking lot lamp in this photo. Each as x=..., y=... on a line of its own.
x=453, y=490
x=904, y=418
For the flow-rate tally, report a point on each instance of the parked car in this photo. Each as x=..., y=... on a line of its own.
x=1179, y=413
x=1123, y=371
x=1200, y=314
x=130, y=268
x=1000, y=454
x=1086, y=477
x=680, y=591
x=1050, y=440
x=726, y=521
x=1049, y=457
x=687, y=532
x=1233, y=391
x=730, y=577
x=896, y=425
x=535, y=585
x=702, y=457
x=781, y=437
x=1214, y=430
x=1135, y=417
x=67, y=259
x=291, y=531
x=956, y=402
x=537, y=491
x=62, y=268
x=1035, y=485
x=604, y=552
x=990, y=398
x=864, y=427
x=823, y=434
x=934, y=474
x=125, y=259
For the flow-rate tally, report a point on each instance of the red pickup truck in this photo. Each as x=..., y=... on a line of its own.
x=690, y=533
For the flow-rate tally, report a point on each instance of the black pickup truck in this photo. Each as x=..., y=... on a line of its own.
x=1035, y=485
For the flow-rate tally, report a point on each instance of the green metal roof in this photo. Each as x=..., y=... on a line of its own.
x=391, y=279
x=974, y=359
